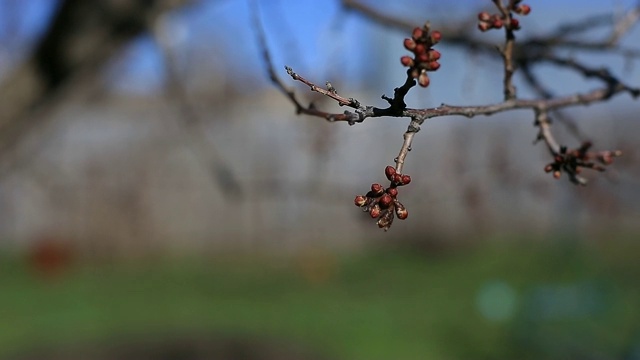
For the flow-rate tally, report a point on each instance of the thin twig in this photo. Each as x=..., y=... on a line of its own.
x=594, y=96
x=382, y=18
x=330, y=91
x=624, y=24
x=591, y=97
x=275, y=79
x=537, y=86
x=544, y=124
x=588, y=72
x=507, y=51
x=404, y=150
x=190, y=125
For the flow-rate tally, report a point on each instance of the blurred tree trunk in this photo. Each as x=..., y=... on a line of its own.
x=82, y=36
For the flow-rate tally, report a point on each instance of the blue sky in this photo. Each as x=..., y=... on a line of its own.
x=311, y=35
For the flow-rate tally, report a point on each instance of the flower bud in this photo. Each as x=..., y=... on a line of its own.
x=375, y=211
x=556, y=174
x=385, y=201
x=435, y=37
x=515, y=24
x=406, y=179
x=423, y=80
x=377, y=189
x=523, y=9
x=417, y=33
x=548, y=168
x=397, y=178
x=392, y=191
x=484, y=26
x=433, y=66
x=407, y=61
x=389, y=171
x=360, y=200
x=497, y=23
x=484, y=16
x=409, y=44
x=433, y=54
x=401, y=211
x=385, y=220
x=420, y=49
x=606, y=158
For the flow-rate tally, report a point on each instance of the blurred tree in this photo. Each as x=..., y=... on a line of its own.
x=80, y=39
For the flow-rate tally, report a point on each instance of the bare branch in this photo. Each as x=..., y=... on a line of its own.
x=591, y=97
x=545, y=93
x=379, y=17
x=330, y=91
x=624, y=24
x=404, y=151
x=507, y=51
x=190, y=125
x=380, y=201
x=544, y=124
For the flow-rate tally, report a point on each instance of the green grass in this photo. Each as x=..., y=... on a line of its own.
x=381, y=305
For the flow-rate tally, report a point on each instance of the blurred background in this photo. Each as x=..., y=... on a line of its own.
x=160, y=199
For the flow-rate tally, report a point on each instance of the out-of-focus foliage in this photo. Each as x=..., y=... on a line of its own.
x=525, y=301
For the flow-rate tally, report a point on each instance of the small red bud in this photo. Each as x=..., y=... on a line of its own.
x=385, y=201
x=497, y=23
x=407, y=61
x=433, y=66
x=523, y=9
x=484, y=26
x=377, y=189
x=375, y=211
x=397, y=178
x=406, y=179
x=360, y=200
x=392, y=191
x=385, y=220
x=484, y=16
x=435, y=37
x=422, y=57
x=409, y=44
x=420, y=49
x=389, y=171
x=556, y=174
x=548, y=168
x=515, y=24
x=433, y=54
x=401, y=211
x=417, y=33
x=423, y=80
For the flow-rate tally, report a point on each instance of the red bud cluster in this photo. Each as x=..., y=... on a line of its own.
x=381, y=203
x=425, y=58
x=488, y=21
x=573, y=161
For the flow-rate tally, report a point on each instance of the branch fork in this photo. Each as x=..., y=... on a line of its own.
x=382, y=203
